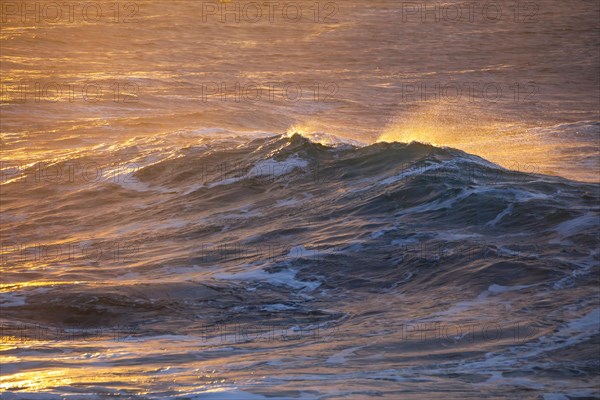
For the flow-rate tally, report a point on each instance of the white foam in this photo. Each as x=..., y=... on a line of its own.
x=576, y=225
x=282, y=278
x=450, y=237
x=410, y=172
x=404, y=242
x=555, y=396
x=224, y=182
x=340, y=357
x=380, y=233
x=269, y=168
x=502, y=289
x=275, y=168
x=479, y=301
x=10, y=299
x=277, y=307
x=286, y=203
x=17, y=299
x=328, y=139
x=294, y=201
x=501, y=215
x=123, y=175
x=576, y=331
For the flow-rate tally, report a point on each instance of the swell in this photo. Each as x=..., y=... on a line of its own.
x=287, y=224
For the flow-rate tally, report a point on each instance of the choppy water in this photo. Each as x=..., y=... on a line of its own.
x=378, y=235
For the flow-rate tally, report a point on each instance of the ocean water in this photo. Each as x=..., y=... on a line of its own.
x=300, y=200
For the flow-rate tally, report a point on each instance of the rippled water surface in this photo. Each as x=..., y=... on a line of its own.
x=307, y=200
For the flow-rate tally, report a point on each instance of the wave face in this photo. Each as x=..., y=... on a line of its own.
x=281, y=267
